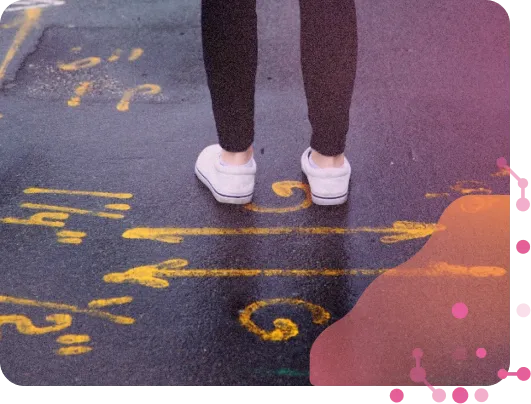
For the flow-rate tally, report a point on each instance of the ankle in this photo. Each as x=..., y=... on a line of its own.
x=237, y=158
x=323, y=161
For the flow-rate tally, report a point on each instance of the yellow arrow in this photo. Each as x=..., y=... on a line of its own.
x=400, y=231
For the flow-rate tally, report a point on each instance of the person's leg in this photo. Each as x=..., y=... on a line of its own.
x=328, y=57
x=230, y=53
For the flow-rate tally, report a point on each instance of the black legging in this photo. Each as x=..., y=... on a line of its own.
x=328, y=56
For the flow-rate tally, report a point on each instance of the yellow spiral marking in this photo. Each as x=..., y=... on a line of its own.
x=25, y=326
x=284, y=189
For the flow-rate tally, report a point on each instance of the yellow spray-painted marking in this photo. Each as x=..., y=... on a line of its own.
x=284, y=189
x=76, y=49
x=285, y=328
x=25, y=326
x=15, y=22
x=135, y=54
x=79, y=193
x=467, y=187
x=85, y=63
x=31, y=16
x=71, y=210
x=83, y=88
x=434, y=195
x=39, y=219
x=70, y=339
x=69, y=233
x=73, y=350
x=70, y=240
x=115, y=55
x=400, y=231
x=70, y=308
x=118, y=206
x=99, y=303
x=70, y=237
x=147, y=89
x=155, y=276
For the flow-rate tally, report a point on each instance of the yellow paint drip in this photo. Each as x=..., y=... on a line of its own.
x=144, y=89
x=85, y=63
x=25, y=326
x=39, y=219
x=78, y=193
x=69, y=339
x=115, y=55
x=71, y=210
x=66, y=307
x=80, y=91
x=284, y=189
x=73, y=350
x=118, y=206
x=70, y=240
x=284, y=328
x=31, y=16
x=69, y=233
x=135, y=54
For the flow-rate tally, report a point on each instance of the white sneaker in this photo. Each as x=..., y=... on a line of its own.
x=329, y=186
x=228, y=184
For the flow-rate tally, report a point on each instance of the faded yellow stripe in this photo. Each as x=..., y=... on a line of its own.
x=66, y=307
x=31, y=16
x=73, y=350
x=66, y=209
x=79, y=193
x=99, y=303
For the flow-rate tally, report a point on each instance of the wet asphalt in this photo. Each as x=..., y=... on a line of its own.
x=429, y=118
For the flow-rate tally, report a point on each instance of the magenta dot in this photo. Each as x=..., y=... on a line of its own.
x=459, y=310
x=438, y=395
x=523, y=310
x=522, y=246
x=481, y=353
x=460, y=395
x=397, y=395
x=501, y=162
x=417, y=353
x=481, y=395
x=418, y=375
x=502, y=373
x=522, y=183
x=522, y=204
x=523, y=374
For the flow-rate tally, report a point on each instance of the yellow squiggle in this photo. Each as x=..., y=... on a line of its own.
x=25, y=326
x=284, y=189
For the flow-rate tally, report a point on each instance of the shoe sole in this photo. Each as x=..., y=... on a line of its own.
x=234, y=200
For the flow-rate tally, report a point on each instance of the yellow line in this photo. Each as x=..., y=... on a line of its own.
x=73, y=350
x=31, y=17
x=99, y=303
x=400, y=231
x=65, y=209
x=79, y=193
x=66, y=307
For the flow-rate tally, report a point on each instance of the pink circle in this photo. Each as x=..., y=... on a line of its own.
x=522, y=246
x=397, y=395
x=522, y=204
x=418, y=375
x=481, y=353
x=417, y=353
x=459, y=310
x=523, y=374
x=522, y=183
x=502, y=373
x=481, y=395
x=501, y=162
x=460, y=395
x=439, y=395
x=523, y=310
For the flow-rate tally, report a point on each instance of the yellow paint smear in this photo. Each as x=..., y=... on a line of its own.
x=70, y=240
x=115, y=55
x=99, y=303
x=118, y=206
x=135, y=54
x=66, y=307
x=401, y=231
x=80, y=91
x=434, y=195
x=69, y=233
x=76, y=49
x=39, y=219
x=71, y=210
x=85, y=63
x=155, y=276
x=467, y=187
x=284, y=328
x=70, y=339
x=31, y=16
x=25, y=326
x=284, y=189
x=78, y=193
x=144, y=89
x=73, y=350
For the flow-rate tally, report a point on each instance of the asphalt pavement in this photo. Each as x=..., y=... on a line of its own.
x=118, y=267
